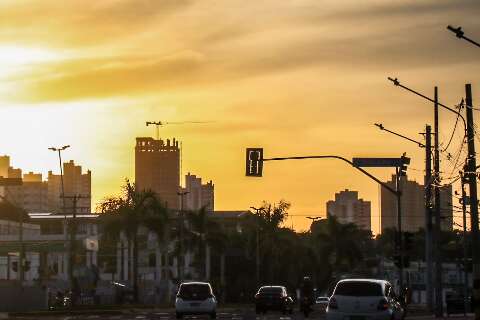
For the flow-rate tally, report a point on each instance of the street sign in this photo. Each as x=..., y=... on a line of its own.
x=91, y=244
x=7, y=182
x=254, y=162
x=377, y=162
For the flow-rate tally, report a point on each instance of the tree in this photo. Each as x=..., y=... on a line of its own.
x=269, y=220
x=338, y=244
x=127, y=213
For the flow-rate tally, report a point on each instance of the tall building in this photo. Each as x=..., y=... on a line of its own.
x=75, y=183
x=14, y=194
x=413, y=206
x=157, y=167
x=348, y=208
x=199, y=195
x=35, y=193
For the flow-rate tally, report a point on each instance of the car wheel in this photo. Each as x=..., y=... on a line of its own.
x=179, y=315
x=213, y=315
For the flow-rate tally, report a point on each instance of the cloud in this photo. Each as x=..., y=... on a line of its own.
x=80, y=23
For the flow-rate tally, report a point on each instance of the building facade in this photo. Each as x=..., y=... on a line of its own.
x=157, y=168
x=75, y=183
x=413, y=206
x=348, y=208
x=198, y=195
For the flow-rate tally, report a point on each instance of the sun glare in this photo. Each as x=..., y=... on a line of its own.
x=15, y=58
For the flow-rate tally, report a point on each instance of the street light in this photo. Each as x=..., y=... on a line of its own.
x=257, y=249
x=71, y=258
x=59, y=150
x=460, y=34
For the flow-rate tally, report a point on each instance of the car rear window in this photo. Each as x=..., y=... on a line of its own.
x=358, y=289
x=271, y=290
x=194, y=291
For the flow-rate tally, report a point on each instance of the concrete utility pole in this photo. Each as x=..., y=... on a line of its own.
x=181, y=260
x=428, y=215
x=72, y=236
x=465, y=250
x=398, y=195
x=472, y=181
x=437, y=229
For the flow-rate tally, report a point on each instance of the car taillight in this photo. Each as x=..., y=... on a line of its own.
x=332, y=304
x=383, y=305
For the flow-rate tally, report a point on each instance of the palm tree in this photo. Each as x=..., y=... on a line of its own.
x=203, y=232
x=338, y=243
x=127, y=213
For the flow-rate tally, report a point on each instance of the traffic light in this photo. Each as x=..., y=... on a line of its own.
x=254, y=162
x=408, y=241
x=405, y=161
x=15, y=266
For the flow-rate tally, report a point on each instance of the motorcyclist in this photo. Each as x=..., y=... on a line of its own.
x=307, y=295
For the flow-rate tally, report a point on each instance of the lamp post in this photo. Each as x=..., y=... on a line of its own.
x=257, y=249
x=59, y=150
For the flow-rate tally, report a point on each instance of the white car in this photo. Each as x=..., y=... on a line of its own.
x=321, y=303
x=195, y=298
x=364, y=299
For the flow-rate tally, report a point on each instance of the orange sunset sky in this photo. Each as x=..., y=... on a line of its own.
x=297, y=77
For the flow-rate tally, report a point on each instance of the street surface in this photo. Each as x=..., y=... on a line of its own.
x=241, y=314
x=244, y=314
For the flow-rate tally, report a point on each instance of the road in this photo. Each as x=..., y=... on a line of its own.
x=245, y=314
x=241, y=314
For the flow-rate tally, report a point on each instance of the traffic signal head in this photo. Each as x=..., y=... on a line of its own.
x=405, y=161
x=254, y=162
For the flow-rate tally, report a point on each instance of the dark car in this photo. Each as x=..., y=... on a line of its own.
x=273, y=298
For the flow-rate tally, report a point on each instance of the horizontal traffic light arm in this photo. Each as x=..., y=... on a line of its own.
x=343, y=159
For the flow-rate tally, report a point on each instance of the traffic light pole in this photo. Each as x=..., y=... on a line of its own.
x=339, y=158
x=254, y=165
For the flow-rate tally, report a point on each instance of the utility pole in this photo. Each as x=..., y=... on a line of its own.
x=472, y=181
x=181, y=260
x=399, y=227
x=465, y=250
x=437, y=228
x=428, y=215
x=72, y=235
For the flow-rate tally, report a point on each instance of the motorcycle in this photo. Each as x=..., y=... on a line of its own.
x=306, y=306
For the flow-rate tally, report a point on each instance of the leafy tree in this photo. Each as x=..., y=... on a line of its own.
x=127, y=213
